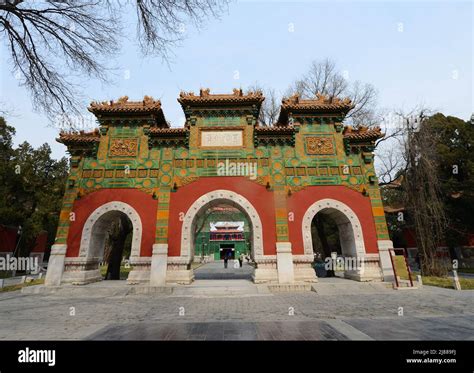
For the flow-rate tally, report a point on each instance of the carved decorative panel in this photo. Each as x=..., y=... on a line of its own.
x=123, y=147
x=319, y=145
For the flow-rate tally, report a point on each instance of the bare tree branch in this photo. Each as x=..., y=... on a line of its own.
x=270, y=109
x=161, y=23
x=54, y=43
x=46, y=37
x=324, y=77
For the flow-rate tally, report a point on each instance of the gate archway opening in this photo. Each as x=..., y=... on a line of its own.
x=237, y=234
x=222, y=244
x=111, y=234
x=117, y=246
x=326, y=241
x=332, y=230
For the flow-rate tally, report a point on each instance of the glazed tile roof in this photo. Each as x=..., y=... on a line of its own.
x=205, y=97
x=274, y=130
x=362, y=133
x=168, y=131
x=122, y=108
x=122, y=105
x=80, y=137
x=320, y=103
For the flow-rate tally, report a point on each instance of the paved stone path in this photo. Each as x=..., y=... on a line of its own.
x=428, y=313
x=215, y=271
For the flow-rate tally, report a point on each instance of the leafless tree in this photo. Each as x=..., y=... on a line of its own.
x=420, y=187
x=270, y=109
x=390, y=152
x=423, y=195
x=54, y=44
x=391, y=163
x=324, y=77
x=389, y=157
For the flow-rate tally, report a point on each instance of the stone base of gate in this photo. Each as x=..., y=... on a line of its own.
x=385, y=261
x=140, y=273
x=370, y=271
x=56, y=265
x=179, y=271
x=81, y=271
x=303, y=269
x=266, y=270
x=285, y=267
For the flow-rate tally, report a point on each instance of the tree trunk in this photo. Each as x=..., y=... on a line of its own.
x=324, y=241
x=119, y=233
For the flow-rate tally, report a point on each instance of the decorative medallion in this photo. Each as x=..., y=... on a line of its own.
x=123, y=147
x=319, y=145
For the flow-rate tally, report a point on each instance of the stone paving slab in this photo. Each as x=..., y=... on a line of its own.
x=234, y=331
x=416, y=328
x=216, y=271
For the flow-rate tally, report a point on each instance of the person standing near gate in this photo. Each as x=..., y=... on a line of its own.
x=226, y=259
x=241, y=259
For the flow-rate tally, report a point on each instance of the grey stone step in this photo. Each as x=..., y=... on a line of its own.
x=204, y=288
x=351, y=287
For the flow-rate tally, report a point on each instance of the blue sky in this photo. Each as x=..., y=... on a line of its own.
x=273, y=43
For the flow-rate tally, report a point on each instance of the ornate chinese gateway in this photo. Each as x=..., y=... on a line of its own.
x=163, y=179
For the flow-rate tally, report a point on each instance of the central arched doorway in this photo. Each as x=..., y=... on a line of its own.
x=253, y=249
x=222, y=240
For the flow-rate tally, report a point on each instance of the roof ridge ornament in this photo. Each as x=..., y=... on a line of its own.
x=204, y=92
x=122, y=100
x=206, y=98
x=238, y=92
x=320, y=99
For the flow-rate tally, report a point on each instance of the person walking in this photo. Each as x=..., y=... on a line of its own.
x=241, y=259
x=226, y=259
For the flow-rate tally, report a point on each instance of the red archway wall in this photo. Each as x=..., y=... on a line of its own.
x=299, y=203
x=143, y=203
x=257, y=195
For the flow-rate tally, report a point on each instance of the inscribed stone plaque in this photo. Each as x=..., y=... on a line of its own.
x=221, y=138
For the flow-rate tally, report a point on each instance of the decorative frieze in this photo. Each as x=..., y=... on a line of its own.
x=316, y=145
x=123, y=147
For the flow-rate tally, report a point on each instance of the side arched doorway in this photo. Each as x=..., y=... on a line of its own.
x=115, y=225
x=329, y=217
